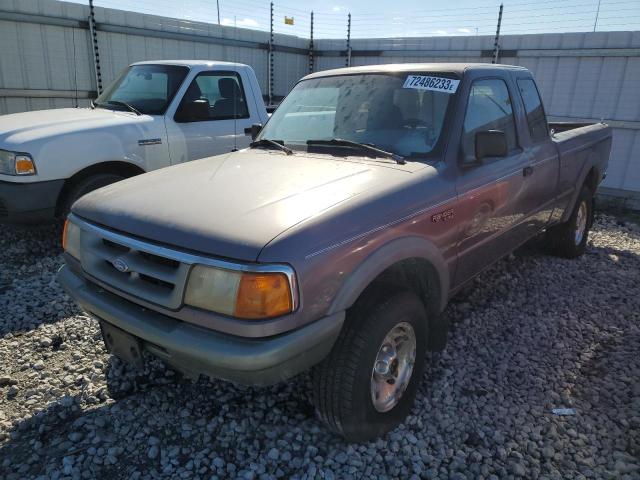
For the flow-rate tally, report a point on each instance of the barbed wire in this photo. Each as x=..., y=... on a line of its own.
x=545, y=16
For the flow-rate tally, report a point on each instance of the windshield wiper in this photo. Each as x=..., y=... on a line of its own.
x=265, y=142
x=366, y=147
x=122, y=104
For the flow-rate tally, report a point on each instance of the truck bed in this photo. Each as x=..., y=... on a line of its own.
x=579, y=145
x=559, y=127
x=574, y=138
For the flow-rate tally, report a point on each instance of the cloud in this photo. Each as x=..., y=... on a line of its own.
x=240, y=22
x=440, y=32
x=337, y=8
x=464, y=30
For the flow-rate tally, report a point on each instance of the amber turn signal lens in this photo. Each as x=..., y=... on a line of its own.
x=64, y=233
x=24, y=165
x=263, y=295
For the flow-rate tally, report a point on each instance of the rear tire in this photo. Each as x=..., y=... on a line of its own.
x=85, y=186
x=569, y=240
x=352, y=397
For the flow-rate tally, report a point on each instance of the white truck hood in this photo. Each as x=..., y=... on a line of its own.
x=64, y=141
x=17, y=130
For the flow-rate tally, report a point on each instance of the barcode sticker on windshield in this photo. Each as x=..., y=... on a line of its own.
x=437, y=84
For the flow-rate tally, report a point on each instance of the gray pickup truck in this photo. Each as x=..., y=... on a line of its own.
x=368, y=199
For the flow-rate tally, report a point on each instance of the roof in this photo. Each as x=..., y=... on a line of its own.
x=458, y=68
x=192, y=63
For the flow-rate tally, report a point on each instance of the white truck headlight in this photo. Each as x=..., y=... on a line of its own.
x=247, y=295
x=71, y=239
x=12, y=163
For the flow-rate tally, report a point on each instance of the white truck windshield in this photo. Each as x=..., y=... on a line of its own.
x=147, y=88
x=384, y=110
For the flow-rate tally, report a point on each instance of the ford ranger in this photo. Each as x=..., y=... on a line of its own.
x=367, y=200
x=155, y=114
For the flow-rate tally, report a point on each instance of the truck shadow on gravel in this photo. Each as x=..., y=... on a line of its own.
x=158, y=408
x=531, y=334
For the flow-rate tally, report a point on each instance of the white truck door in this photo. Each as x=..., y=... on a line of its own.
x=212, y=117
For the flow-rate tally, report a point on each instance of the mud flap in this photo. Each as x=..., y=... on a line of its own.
x=122, y=344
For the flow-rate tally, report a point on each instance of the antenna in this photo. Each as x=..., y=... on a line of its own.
x=75, y=65
x=235, y=96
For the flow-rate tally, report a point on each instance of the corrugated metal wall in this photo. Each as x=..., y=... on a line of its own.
x=45, y=48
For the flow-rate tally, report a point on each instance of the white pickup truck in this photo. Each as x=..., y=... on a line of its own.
x=155, y=114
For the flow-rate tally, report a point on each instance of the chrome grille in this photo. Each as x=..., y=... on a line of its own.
x=125, y=265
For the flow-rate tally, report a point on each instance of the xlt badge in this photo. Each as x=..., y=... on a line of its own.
x=149, y=141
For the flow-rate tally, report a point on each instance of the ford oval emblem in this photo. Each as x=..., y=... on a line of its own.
x=120, y=265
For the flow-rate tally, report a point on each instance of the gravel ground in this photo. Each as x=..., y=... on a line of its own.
x=533, y=334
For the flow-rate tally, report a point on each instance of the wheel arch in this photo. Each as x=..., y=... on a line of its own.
x=411, y=263
x=592, y=179
x=589, y=177
x=117, y=167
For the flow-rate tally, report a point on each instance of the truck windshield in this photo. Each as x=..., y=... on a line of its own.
x=147, y=88
x=388, y=111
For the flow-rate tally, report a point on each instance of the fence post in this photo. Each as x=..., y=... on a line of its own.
x=311, y=45
x=496, y=45
x=270, y=88
x=96, y=52
x=349, y=40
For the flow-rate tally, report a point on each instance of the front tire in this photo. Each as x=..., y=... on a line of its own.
x=85, y=186
x=367, y=385
x=569, y=240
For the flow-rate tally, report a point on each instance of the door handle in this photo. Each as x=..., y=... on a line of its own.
x=526, y=171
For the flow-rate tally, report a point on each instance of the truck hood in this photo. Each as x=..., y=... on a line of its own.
x=232, y=205
x=18, y=129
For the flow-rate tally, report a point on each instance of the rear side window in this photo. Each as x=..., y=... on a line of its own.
x=488, y=108
x=535, y=113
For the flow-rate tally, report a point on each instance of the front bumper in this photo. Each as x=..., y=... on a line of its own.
x=28, y=202
x=196, y=350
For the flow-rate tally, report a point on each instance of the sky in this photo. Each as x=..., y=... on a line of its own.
x=400, y=18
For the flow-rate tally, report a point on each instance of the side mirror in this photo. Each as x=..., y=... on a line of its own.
x=491, y=143
x=193, y=111
x=255, y=130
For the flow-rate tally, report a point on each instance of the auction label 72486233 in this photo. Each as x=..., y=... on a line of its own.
x=437, y=84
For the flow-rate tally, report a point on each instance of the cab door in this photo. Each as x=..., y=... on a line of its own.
x=490, y=191
x=211, y=118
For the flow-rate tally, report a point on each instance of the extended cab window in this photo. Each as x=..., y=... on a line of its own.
x=488, y=108
x=535, y=113
x=220, y=97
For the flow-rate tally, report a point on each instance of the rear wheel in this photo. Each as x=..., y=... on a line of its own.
x=569, y=240
x=85, y=186
x=368, y=383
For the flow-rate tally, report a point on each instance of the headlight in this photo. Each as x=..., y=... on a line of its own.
x=71, y=239
x=248, y=295
x=12, y=163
